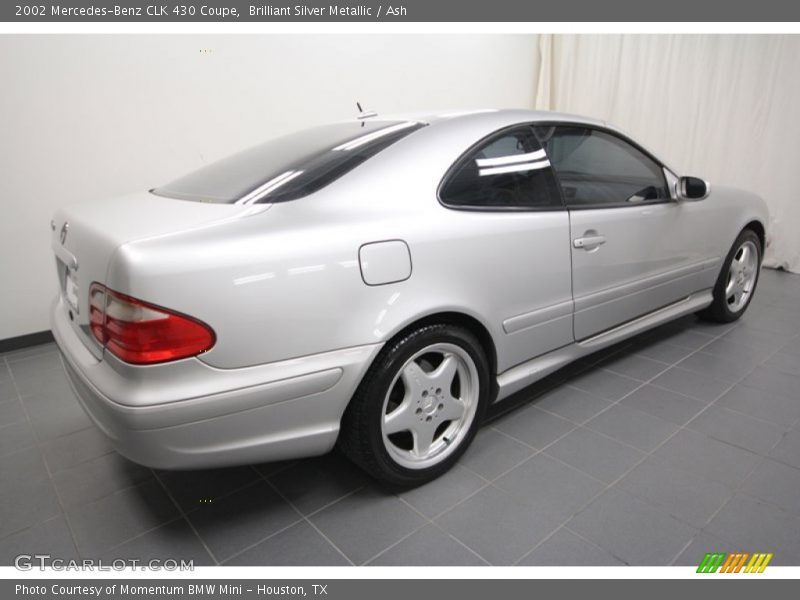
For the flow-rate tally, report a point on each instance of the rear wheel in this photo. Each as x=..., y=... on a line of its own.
x=737, y=280
x=419, y=405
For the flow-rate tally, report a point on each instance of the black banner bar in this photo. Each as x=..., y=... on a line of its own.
x=738, y=587
x=401, y=11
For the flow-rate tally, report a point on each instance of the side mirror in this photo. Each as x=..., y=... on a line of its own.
x=693, y=188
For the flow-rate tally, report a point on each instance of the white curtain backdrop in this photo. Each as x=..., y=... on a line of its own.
x=722, y=107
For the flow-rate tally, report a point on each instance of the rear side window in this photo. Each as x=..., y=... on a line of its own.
x=508, y=171
x=288, y=167
x=599, y=169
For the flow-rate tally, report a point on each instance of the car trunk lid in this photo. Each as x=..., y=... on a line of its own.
x=86, y=236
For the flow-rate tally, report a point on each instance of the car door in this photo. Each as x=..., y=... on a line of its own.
x=518, y=260
x=634, y=248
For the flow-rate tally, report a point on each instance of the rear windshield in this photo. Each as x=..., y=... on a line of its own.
x=288, y=167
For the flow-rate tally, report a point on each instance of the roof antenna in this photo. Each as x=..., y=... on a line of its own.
x=362, y=114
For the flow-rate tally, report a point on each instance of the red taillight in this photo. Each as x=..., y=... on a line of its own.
x=143, y=334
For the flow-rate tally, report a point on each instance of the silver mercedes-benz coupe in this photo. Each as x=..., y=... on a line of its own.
x=379, y=283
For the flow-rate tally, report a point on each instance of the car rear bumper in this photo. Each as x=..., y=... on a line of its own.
x=189, y=415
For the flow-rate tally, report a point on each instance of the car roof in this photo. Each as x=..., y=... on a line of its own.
x=487, y=120
x=490, y=114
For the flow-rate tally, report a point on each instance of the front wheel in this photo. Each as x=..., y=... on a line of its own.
x=419, y=405
x=737, y=281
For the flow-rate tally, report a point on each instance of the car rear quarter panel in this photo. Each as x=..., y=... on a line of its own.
x=279, y=285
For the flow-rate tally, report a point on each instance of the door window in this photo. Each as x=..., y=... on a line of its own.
x=597, y=169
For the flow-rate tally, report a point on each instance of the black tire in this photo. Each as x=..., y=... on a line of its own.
x=361, y=437
x=720, y=311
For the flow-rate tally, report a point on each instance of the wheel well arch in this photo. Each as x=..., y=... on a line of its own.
x=460, y=319
x=758, y=228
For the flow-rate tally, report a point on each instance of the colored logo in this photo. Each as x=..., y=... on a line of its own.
x=736, y=562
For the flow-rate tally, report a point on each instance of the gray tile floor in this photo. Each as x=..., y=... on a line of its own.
x=681, y=441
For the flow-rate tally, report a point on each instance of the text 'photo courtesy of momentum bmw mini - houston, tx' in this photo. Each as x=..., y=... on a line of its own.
x=377, y=284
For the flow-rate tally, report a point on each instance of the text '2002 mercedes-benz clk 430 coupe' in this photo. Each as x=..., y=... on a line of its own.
x=379, y=283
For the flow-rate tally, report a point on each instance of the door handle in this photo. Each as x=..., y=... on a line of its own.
x=589, y=242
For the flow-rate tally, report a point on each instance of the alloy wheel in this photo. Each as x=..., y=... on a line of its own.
x=430, y=406
x=742, y=276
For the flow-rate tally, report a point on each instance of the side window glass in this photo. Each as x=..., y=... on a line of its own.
x=509, y=171
x=596, y=168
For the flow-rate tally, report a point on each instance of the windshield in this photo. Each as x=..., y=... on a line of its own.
x=288, y=167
